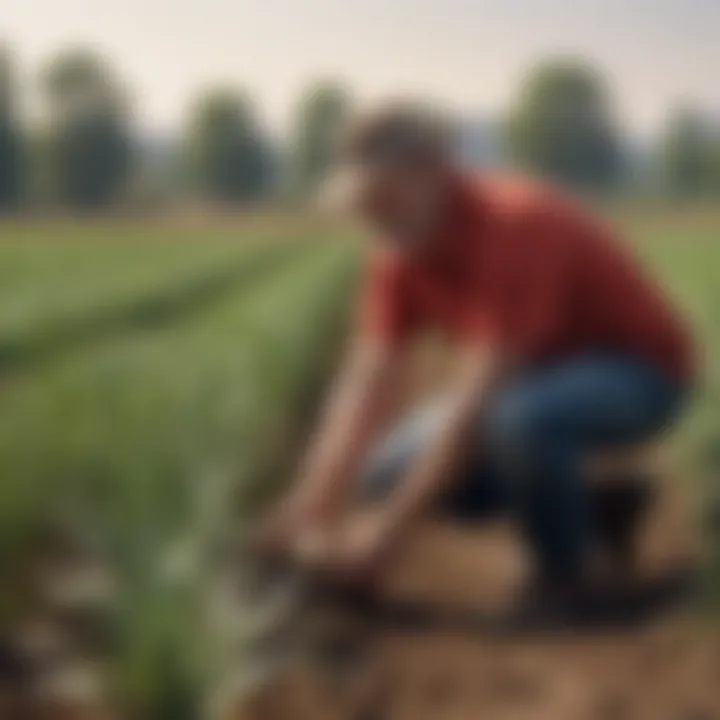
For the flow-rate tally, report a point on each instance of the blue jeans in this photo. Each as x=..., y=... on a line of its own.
x=531, y=441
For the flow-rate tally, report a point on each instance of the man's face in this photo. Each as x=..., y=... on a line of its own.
x=403, y=202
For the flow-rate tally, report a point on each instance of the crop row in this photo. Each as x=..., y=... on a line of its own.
x=54, y=298
x=141, y=444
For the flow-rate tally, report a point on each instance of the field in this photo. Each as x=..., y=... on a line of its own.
x=156, y=380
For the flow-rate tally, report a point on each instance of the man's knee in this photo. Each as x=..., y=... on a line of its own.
x=521, y=431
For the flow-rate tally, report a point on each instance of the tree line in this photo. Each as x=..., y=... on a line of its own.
x=87, y=155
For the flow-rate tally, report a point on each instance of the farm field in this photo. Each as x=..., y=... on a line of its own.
x=156, y=377
x=131, y=442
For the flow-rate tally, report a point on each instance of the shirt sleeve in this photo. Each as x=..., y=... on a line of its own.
x=384, y=308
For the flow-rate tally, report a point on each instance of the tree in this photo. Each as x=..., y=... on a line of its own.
x=320, y=115
x=689, y=153
x=89, y=146
x=715, y=162
x=561, y=127
x=229, y=154
x=10, y=138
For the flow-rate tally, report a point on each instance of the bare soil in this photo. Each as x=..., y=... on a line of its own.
x=660, y=664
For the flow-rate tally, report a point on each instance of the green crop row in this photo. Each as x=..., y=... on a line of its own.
x=143, y=442
x=55, y=297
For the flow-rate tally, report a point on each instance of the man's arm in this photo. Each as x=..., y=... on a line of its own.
x=356, y=406
x=479, y=371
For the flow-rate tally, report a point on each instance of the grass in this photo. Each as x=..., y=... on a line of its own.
x=57, y=293
x=685, y=254
x=141, y=436
x=149, y=372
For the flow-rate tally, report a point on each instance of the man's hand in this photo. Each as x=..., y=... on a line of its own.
x=273, y=538
x=280, y=533
x=352, y=553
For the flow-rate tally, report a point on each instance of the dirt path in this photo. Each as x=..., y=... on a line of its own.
x=663, y=668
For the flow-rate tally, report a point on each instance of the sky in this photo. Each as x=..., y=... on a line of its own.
x=468, y=54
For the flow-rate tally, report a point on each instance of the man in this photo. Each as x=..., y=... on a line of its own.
x=563, y=346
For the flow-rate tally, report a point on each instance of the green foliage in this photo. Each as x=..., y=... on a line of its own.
x=88, y=147
x=561, y=127
x=82, y=304
x=690, y=154
x=319, y=117
x=48, y=310
x=229, y=155
x=10, y=139
x=145, y=440
x=686, y=254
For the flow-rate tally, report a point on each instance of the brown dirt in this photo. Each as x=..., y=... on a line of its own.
x=665, y=668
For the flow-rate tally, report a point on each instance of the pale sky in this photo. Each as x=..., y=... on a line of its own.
x=467, y=53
